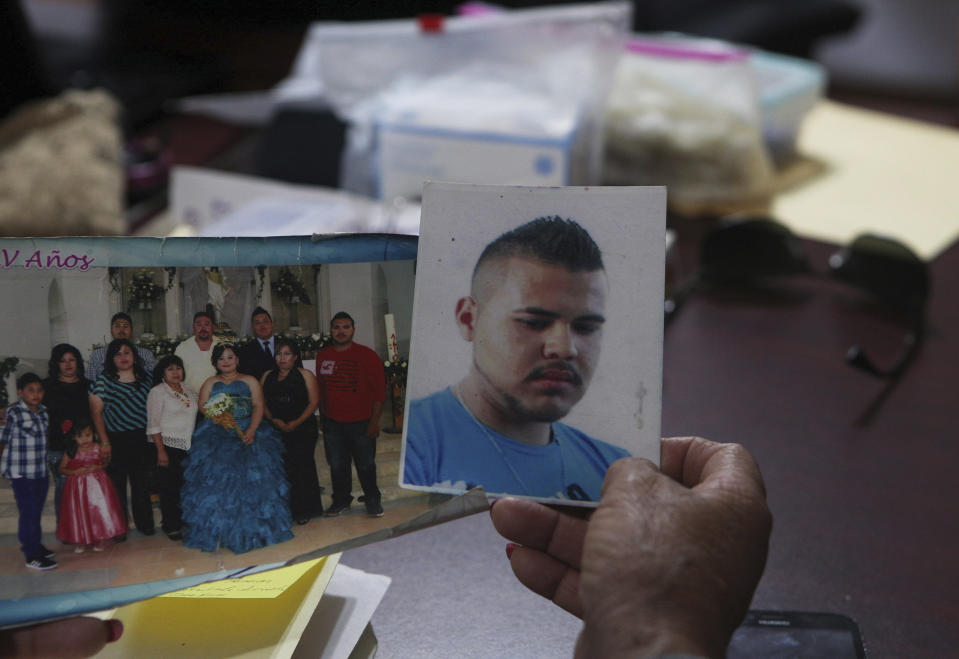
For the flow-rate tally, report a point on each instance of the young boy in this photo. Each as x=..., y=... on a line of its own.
x=23, y=455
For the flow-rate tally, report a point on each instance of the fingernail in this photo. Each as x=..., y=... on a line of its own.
x=116, y=630
x=491, y=504
x=510, y=546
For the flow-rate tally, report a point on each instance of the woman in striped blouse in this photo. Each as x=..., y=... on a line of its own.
x=118, y=405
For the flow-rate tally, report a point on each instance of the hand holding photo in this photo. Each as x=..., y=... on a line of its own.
x=558, y=292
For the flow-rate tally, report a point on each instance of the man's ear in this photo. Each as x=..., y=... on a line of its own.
x=466, y=317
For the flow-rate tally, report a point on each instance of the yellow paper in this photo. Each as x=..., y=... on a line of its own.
x=262, y=584
x=879, y=174
x=224, y=626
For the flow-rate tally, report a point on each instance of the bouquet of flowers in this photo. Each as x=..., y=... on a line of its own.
x=219, y=409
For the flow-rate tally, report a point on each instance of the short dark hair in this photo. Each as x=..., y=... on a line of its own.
x=59, y=350
x=549, y=239
x=120, y=315
x=28, y=378
x=340, y=315
x=163, y=364
x=219, y=349
x=203, y=314
x=260, y=310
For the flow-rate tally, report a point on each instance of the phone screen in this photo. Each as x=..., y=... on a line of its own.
x=796, y=635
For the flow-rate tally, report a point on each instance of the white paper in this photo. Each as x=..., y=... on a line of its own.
x=213, y=203
x=342, y=614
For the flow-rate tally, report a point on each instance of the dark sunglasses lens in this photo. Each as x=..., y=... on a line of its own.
x=886, y=268
x=751, y=249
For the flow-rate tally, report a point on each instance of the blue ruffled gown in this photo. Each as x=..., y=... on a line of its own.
x=234, y=495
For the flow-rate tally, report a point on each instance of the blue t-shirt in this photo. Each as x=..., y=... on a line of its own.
x=447, y=447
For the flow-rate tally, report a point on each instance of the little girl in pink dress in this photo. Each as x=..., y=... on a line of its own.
x=90, y=512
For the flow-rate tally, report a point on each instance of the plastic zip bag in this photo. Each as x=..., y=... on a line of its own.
x=534, y=76
x=684, y=113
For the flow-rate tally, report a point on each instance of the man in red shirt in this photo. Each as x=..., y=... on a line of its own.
x=353, y=388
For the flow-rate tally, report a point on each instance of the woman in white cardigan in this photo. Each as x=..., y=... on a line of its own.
x=171, y=415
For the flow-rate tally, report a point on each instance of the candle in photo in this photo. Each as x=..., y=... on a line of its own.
x=392, y=350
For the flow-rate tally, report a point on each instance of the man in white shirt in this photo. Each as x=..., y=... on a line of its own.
x=195, y=351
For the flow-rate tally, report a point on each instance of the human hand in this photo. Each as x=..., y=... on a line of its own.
x=667, y=563
x=281, y=425
x=163, y=460
x=373, y=429
x=248, y=435
x=106, y=452
x=69, y=638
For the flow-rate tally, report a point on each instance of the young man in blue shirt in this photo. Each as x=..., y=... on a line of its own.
x=535, y=318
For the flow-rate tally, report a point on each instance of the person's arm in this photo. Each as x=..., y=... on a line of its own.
x=204, y=396
x=72, y=638
x=321, y=390
x=378, y=393
x=267, y=414
x=154, y=423
x=668, y=561
x=313, y=400
x=373, y=429
x=163, y=460
x=96, y=413
x=64, y=461
x=256, y=397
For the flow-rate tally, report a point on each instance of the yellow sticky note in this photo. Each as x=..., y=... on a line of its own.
x=225, y=626
x=270, y=583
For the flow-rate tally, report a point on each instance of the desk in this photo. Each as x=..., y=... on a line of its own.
x=865, y=511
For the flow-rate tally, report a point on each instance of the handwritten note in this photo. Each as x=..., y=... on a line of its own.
x=261, y=585
x=265, y=622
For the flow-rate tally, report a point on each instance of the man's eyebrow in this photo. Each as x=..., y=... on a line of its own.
x=546, y=313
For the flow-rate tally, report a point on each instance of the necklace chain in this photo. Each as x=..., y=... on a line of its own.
x=499, y=449
x=182, y=397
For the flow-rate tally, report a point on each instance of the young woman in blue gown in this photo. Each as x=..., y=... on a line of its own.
x=235, y=493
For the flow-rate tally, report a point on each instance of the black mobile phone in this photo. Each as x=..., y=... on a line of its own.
x=796, y=635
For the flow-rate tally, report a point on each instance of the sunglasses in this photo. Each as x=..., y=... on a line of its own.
x=748, y=252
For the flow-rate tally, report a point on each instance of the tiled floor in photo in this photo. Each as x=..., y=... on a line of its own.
x=141, y=558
